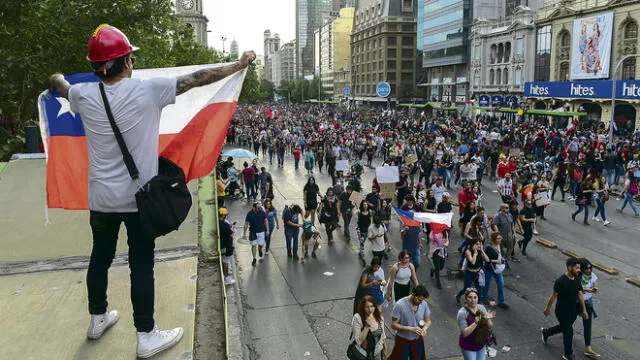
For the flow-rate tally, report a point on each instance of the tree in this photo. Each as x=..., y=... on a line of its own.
x=251, y=92
x=267, y=88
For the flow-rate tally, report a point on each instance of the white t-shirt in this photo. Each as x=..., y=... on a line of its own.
x=136, y=105
x=592, y=282
x=377, y=244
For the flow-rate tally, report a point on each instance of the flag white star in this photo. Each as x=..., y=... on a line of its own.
x=65, y=106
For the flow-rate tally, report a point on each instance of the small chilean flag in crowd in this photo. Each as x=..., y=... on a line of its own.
x=192, y=132
x=438, y=222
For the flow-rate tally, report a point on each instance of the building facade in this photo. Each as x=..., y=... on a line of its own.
x=233, y=50
x=310, y=15
x=579, y=44
x=190, y=12
x=500, y=56
x=271, y=46
x=383, y=42
x=284, y=63
x=333, y=57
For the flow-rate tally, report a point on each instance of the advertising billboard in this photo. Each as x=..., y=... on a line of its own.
x=591, y=47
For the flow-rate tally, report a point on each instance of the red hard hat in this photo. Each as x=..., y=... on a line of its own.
x=108, y=43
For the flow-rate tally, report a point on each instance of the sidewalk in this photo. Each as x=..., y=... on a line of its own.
x=43, y=306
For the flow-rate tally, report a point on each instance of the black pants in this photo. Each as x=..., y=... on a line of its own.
x=558, y=183
x=565, y=326
x=346, y=216
x=438, y=265
x=527, y=231
x=105, y=227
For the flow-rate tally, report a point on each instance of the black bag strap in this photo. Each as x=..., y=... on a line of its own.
x=126, y=155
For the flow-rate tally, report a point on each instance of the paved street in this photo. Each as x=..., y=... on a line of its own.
x=303, y=311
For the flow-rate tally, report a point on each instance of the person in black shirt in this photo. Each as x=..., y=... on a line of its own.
x=568, y=291
x=345, y=209
x=311, y=192
x=226, y=244
x=527, y=219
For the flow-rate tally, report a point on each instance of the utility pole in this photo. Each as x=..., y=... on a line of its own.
x=613, y=94
x=223, y=40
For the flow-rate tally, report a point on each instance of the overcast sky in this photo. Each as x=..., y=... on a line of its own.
x=246, y=21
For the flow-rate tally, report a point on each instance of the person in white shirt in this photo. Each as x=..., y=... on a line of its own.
x=438, y=190
x=376, y=234
x=505, y=188
x=137, y=105
x=589, y=282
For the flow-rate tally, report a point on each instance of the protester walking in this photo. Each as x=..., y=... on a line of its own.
x=493, y=269
x=139, y=104
x=311, y=192
x=329, y=213
x=589, y=282
x=291, y=220
x=474, y=260
x=568, y=291
x=256, y=221
x=475, y=324
x=602, y=196
x=438, y=245
x=584, y=190
x=274, y=223
x=363, y=221
x=411, y=318
x=226, y=244
x=629, y=191
x=401, y=276
x=367, y=331
x=370, y=284
x=527, y=219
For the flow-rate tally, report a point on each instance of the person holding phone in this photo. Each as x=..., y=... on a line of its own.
x=589, y=282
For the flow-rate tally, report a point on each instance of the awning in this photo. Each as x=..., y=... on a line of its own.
x=433, y=106
x=555, y=113
x=315, y=101
x=484, y=108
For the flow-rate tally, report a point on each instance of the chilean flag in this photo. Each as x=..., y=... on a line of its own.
x=438, y=222
x=192, y=132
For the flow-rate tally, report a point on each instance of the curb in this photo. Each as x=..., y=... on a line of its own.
x=547, y=243
x=633, y=281
x=570, y=253
x=608, y=270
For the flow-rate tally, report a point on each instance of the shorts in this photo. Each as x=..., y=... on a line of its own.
x=509, y=241
x=259, y=239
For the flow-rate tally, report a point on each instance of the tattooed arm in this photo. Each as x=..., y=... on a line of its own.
x=211, y=75
x=57, y=82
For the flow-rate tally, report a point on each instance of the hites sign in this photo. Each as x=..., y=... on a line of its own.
x=625, y=89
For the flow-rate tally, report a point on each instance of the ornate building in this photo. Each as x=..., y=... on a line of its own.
x=190, y=11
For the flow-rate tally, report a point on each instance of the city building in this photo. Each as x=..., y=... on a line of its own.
x=512, y=5
x=284, y=62
x=271, y=46
x=259, y=62
x=190, y=12
x=445, y=43
x=332, y=57
x=233, y=50
x=383, y=42
x=310, y=15
x=501, y=53
x=579, y=45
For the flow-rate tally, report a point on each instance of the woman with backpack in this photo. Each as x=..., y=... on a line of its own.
x=329, y=213
x=584, y=191
x=630, y=190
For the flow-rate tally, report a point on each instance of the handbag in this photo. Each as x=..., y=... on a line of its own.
x=353, y=353
x=164, y=201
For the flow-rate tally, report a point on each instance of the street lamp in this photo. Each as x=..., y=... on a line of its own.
x=223, y=40
x=613, y=93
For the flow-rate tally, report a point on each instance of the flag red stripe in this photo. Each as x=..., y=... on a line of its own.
x=196, y=148
x=67, y=173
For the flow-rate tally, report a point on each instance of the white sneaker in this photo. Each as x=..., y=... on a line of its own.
x=596, y=219
x=606, y=222
x=156, y=341
x=228, y=280
x=100, y=323
x=535, y=232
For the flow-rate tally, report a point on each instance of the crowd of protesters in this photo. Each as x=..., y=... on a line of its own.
x=526, y=161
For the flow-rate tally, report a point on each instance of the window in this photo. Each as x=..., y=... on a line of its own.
x=500, y=53
x=507, y=52
x=564, y=72
x=407, y=5
x=520, y=46
x=391, y=40
x=498, y=77
x=407, y=53
x=407, y=27
x=391, y=53
x=368, y=77
x=505, y=76
x=518, y=76
x=407, y=64
x=629, y=69
x=391, y=76
x=391, y=64
x=543, y=54
x=407, y=77
x=493, y=54
x=476, y=79
x=477, y=50
x=565, y=39
x=407, y=41
x=491, y=77
x=446, y=35
x=631, y=31
x=380, y=42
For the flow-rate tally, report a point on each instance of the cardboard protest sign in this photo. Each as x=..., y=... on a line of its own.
x=356, y=197
x=387, y=190
x=342, y=165
x=412, y=159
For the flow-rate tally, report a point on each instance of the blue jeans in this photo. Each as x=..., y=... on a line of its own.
x=470, y=278
x=573, y=184
x=600, y=210
x=297, y=162
x=610, y=175
x=628, y=199
x=580, y=209
x=488, y=276
x=475, y=355
x=291, y=239
x=446, y=176
x=415, y=258
x=250, y=188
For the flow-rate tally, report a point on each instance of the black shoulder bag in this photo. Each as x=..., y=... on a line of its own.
x=164, y=201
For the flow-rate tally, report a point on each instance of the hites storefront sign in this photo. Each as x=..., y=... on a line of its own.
x=625, y=89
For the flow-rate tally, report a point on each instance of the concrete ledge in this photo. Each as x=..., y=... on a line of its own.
x=608, y=270
x=633, y=281
x=547, y=243
x=570, y=253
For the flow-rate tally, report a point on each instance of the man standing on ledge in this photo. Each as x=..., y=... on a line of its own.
x=136, y=105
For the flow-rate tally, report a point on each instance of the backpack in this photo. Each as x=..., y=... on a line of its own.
x=307, y=227
x=633, y=189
